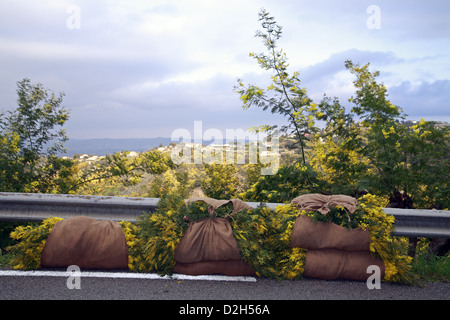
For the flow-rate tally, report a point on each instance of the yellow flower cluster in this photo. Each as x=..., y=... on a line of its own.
x=293, y=265
x=292, y=261
x=327, y=158
x=32, y=240
x=158, y=237
x=391, y=250
x=263, y=236
x=130, y=230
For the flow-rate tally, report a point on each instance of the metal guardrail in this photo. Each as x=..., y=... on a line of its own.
x=36, y=207
x=421, y=223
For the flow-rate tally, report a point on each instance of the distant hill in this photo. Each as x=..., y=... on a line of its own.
x=104, y=146
x=101, y=147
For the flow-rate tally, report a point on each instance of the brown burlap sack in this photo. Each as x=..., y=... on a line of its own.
x=208, y=245
x=207, y=239
x=323, y=203
x=228, y=268
x=330, y=264
x=333, y=252
x=87, y=243
x=308, y=234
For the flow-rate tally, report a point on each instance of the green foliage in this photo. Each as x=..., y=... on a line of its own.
x=5, y=259
x=181, y=181
x=263, y=236
x=334, y=153
x=377, y=152
x=426, y=162
x=39, y=112
x=430, y=267
x=289, y=182
x=381, y=153
x=371, y=102
x=31, y=241
x=221, y=181
x=400, y=158
x=155, y=162
x=30, y=140
x=284, y=95
x=6, y=228
x=58, y=175
x=119, y=170
x=198, y=210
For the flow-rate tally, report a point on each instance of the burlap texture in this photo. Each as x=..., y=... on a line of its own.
x=207, y=239
x=87, y=243
x=228, y=268
x=333, y=252
x=208, y=245
x=308, y=234
x=323, y=203
x=330, y=264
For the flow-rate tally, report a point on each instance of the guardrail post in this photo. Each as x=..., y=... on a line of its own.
x=412, y=245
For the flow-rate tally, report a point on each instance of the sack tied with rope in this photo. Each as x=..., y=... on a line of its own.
x=208, y=245
x=334, y=252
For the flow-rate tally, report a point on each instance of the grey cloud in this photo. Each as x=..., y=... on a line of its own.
x=335, y=63
x=430, y=100
x=128, y=66
x=424, y=99
x=416, y=19
x=152, y=110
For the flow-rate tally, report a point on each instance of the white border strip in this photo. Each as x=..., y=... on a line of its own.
x=123, y=275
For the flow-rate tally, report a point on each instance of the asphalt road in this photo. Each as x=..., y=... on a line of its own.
x=174, y=298
x=55, y=288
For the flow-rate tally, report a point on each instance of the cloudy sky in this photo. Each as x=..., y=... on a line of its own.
x=134, y=69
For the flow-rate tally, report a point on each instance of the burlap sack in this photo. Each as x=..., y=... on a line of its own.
x=330, y=264
x=308, y=234
x=87, y=243
x=208, y=245
x=323, y=203
x=207, y=239
x=228, y=268
x=333, y=252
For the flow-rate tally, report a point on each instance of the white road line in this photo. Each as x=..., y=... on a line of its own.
x=128, y=275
